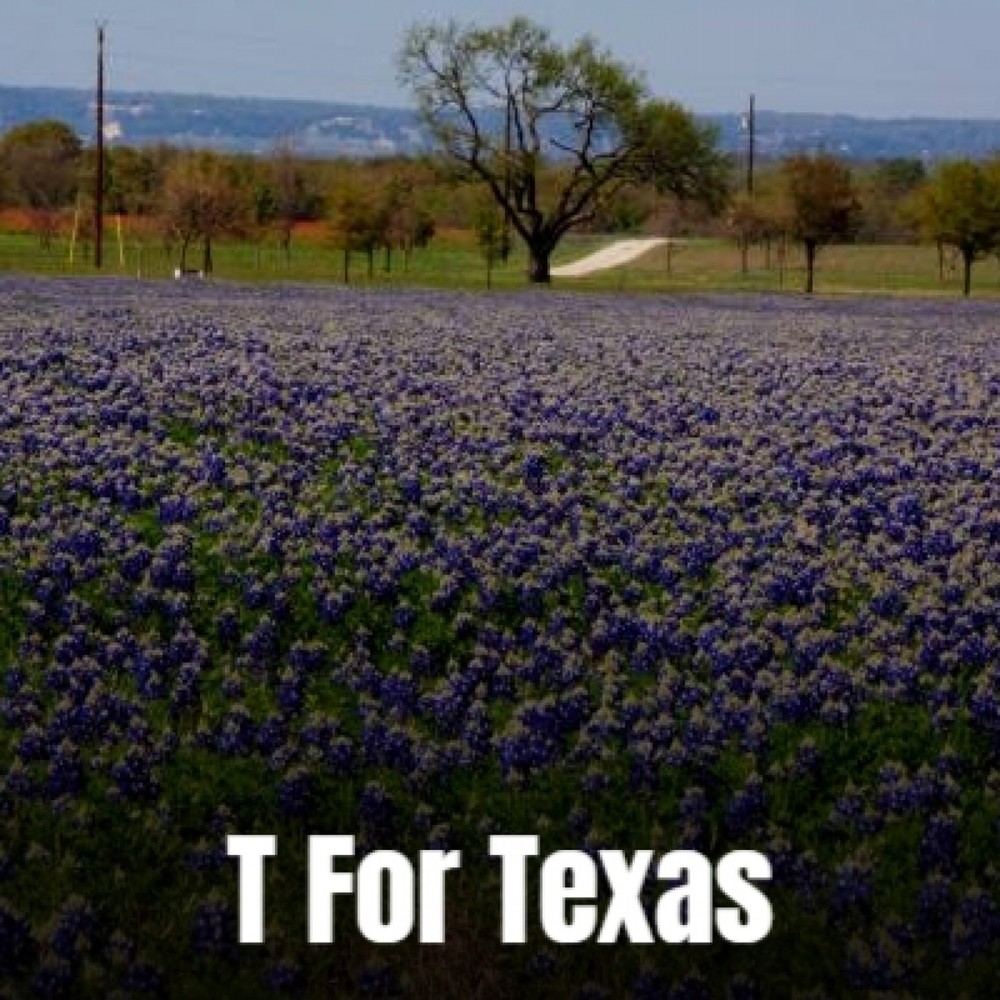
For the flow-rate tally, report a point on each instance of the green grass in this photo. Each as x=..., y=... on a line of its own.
x=454, y=261
x=715, y=264
x=450, y=260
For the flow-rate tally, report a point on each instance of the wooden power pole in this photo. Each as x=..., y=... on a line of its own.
x=507, y=149
x=751, y=141
x=99, y=180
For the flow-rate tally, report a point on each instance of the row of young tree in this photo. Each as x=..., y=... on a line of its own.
x=533, y=140
x=194, y=198
x=817, y=200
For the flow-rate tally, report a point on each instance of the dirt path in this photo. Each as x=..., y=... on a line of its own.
x=622, y=252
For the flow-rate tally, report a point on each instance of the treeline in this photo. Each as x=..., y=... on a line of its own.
x=189, y=200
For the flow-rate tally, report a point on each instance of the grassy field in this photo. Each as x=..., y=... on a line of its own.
x=846, y=268
x=453, y=260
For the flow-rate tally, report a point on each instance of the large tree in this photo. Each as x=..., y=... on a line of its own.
x=506, y=102
x=960, y=206
x=822, y=203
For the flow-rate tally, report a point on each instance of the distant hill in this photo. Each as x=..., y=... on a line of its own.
x=929, y=139
x=251, y=125
x=318, y=128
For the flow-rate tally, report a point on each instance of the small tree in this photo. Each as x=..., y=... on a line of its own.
x=264, y=217
x=491, y=237
x=748, y=225
x=960, y=207
x=359, y=222
x=822, y=202
x=201, y=201
x=293, y=197
x=409, y=222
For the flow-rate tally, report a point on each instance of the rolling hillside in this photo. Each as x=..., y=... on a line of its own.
x=256, y=124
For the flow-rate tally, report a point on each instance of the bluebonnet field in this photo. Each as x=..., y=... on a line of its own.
x=422, y=567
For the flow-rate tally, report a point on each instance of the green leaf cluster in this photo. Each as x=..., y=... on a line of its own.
x=960, y=207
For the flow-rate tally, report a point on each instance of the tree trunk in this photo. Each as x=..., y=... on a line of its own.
x=810, y=265
x=539, y=272
x=744, y=255
x=206, y=265
x=967, y=257
x=347, y=266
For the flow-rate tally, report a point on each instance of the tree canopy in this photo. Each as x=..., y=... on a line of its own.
x=505, y=101
x=960, y=206
x=41, y=161
x=200, y=200
x=823, y=204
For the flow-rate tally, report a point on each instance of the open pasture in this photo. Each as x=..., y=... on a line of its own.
x=709, y=572
x=453, y=260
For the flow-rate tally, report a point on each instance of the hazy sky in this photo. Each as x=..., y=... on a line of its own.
x=868, y=57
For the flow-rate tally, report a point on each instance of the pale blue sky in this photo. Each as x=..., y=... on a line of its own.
x=869, y=57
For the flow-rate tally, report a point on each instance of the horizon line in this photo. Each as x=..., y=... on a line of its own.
x=388, y=106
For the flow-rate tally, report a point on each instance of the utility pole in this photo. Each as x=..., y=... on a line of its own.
x=751, y=139
x=507, y=146
x=99, y=180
